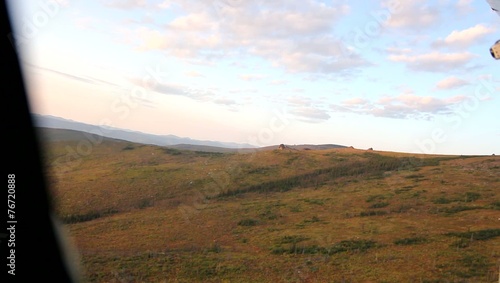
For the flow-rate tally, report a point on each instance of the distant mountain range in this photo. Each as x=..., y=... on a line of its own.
x=127, y=135
x=66, y=131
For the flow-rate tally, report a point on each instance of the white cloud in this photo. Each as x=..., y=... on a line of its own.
x=403, y=106
x=224, y=101
x=64, y=3
x=209, y=95
x=278, y=82
x=165, y=4
x=355, y=101
x=299, y=101
x=450, y=83
x=251, y=77
x=310, y=114
x=247, y=90
x=464, y=38
x=411, y=14
x=193, y=23
x=295, y=37
x=194, y=74
x=434, y=61
x=125, y=4
x=399, y=51
x=85, y=22
x=464, y=6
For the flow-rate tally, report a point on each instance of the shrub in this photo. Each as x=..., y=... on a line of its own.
x=292, y=239
x=459, y=208
x=144, y=203
x=417, y=177
x=379, y=205
x=460, y=244
x=411, y=241
x=215, y=248
x=314, y=201
x=207, y=153
x=76, y=218
x=442, y=200
x=375, y=197
x=269, y=215
x=248, y=222
x=480, y=235
x=496, y=205
x=404, y=189
x=372, y=213
x=352, y=245
x=474, y=265
x=128, y=147
x=471, y=196
x=343, y=246
x=172, y=151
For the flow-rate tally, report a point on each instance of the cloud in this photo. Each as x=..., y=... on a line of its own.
x=84, y=79
x=224, y=101
x=299, y=101
x=199, y=94
x=310, y=114
x=434, y=61
x=464, y=6
x=464, y=38
x=411, y=14
x=278, y=82
x=398, y=51
x=165, y=4
x=355, y=101
x=251, y=77
x=173, y=89
x=298, y=37
x=194, y=74
x=404, y=106
x=85, y=22
x=247, y=90
x=450, y=83
x=125, y=4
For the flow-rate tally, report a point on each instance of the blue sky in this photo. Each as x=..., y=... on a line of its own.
x=409, y=76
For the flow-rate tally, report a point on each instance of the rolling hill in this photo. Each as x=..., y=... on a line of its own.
x=45, y=121
x=145, y=213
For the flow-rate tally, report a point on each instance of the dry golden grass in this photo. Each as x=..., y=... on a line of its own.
x=160, y=215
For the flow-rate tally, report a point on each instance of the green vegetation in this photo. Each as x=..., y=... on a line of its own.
x=495, y=205
x=248, y=222
x=205, y=153
x=292, y=239
x=442, y=200
x=458, y=208
x=411, y=241
x=374, y=165
x=76, y=218
x=372, y=213
x=341, y=247
x=472, y=265
x=315, y=201
x=480, y=235
x=379, y=205
x=128, y=147
x=472, y=196
x=375, y=197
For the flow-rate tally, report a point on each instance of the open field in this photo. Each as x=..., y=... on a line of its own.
x=140, y=213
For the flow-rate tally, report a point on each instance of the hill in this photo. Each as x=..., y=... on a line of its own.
x=44, y=121
x=143, y=213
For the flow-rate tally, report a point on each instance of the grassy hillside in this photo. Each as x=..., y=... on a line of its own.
x=141, y=213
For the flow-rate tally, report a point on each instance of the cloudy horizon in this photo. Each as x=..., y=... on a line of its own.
x=392, y=75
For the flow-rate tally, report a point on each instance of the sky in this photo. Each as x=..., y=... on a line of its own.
x=393, y=75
